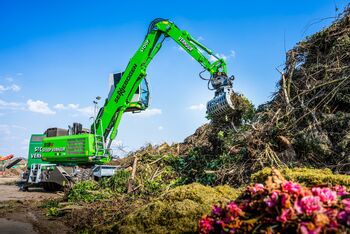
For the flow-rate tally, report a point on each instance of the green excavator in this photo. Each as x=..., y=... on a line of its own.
x=61, y=156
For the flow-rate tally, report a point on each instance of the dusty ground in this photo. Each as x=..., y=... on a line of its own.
x=20, y=212
x=9, y=191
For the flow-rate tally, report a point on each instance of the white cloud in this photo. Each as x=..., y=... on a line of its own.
x=200, y=38
x=198, y=107
x=6, y=129
x=160, y=128
x=69, y=106
x=232, y=54
x=59, y=107
x=149, y=112
x=10, y=105
x=73, y=106
x=14, y=88
x=39, y=106
x=88, y=111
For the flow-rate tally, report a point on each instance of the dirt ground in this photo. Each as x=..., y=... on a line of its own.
x=9, y=192
x=20, y=212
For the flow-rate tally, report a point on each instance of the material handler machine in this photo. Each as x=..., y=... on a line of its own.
x=59, y=157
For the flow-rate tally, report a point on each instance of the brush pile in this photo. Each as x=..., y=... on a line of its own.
x=307, y=123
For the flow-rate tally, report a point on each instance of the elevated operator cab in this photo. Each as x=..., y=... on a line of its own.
x=141, y=98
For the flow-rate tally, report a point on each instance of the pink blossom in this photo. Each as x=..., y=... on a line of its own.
x=272, y=199
x=344, y=217
x=331, y=213
x=346, y=203
x=216, y=211
x=297, y=207
x=206, y=225
x=341, y=190
x=233, y=209
x=333, y=224
x=309, y=204
x=285, y=200
x=309, y=228
x=284, y=216
x=256, y=188
x=327, y=196
x=291, y=187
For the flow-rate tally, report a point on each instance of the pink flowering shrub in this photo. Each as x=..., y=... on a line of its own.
x=282, y=206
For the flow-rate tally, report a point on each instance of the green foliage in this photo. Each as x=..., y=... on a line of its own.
x=248, y=110
x=163, y=178
x=195, y=166
x=50, y=203
x=117, y=183
x=88, y=191
x=152, y=186
x=200, y=166
x=54, y=212
x=176, y=211
x=221, y=135
x=52, y=207
x=307, y=176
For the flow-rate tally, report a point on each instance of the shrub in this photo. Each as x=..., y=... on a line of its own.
x=117, y=183
x=281, y=206
x=87, y=191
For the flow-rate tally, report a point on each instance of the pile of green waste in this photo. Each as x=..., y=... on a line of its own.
x=176, y=211
x=307, y=176
x=306, y=124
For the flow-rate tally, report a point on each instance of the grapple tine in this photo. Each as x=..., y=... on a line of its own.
x=221, y=104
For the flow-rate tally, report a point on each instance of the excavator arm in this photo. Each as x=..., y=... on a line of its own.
x=109, y=116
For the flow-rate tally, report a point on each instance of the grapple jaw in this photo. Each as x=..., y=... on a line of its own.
x=221, y=104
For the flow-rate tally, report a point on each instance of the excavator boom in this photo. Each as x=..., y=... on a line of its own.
x=129, y=93
x=109, y=116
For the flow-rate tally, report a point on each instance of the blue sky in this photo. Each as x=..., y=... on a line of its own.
x=56, y=56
